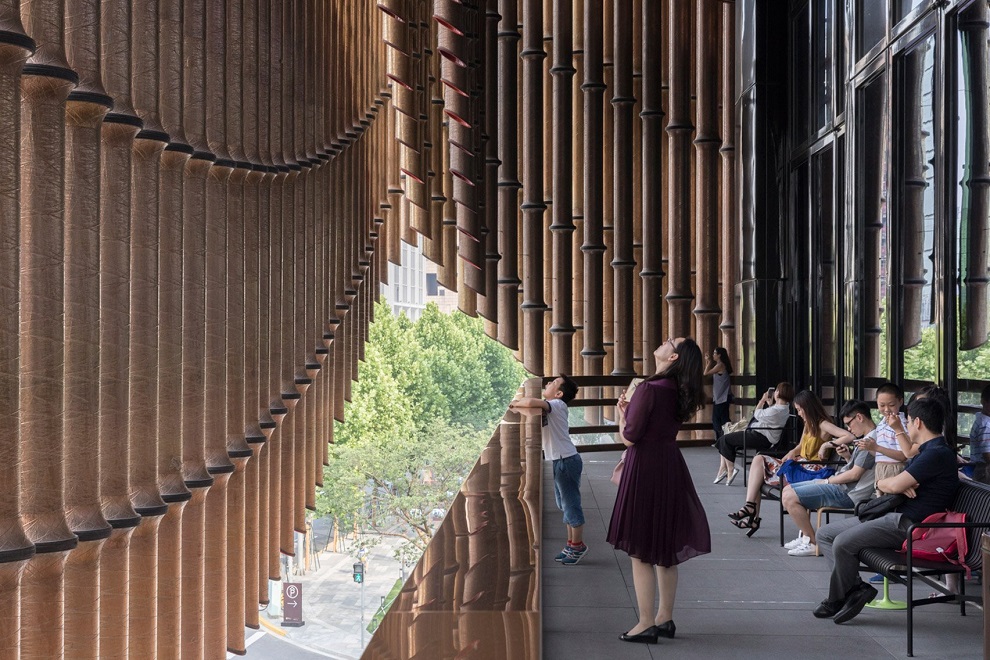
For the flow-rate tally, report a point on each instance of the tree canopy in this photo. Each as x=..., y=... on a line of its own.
x=426, y=401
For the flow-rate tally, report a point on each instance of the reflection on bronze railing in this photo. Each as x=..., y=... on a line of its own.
x=476, y=588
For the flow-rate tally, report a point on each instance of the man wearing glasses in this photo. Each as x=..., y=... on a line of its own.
x=852, y=484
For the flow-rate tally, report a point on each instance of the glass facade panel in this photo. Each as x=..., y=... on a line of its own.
x=824, y=263
x=871, y=19
x=904, y=7
x=873, y=218
x=803, y=74
x=915, y=141
x=823, y=22
x=971, y=194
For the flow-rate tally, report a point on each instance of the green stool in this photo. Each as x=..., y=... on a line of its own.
x=886, y=603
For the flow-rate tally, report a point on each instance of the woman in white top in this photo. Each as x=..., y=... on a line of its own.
x=763, y=432
x=719, y=369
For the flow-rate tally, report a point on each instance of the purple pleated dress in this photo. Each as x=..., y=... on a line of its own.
x=658, y=517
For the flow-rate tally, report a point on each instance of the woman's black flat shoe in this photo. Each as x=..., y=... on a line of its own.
x=666, y=629
x=648, y=636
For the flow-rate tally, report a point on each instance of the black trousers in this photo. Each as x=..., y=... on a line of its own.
x=731, y=444
x=720, y=417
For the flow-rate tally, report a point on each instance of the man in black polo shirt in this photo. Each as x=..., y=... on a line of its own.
x=929, y=481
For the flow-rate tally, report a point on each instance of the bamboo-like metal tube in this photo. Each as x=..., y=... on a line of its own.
x=143, y=426
x=508, y=174
x=974, y=261
x=593, y=246
x=577, y=191
x=706, y=142
x=170, y=269
x=607, y=178
x=15, y=46
x=194, y=460
x=44, y=84
x=217, y=260
x=562, y=225
x=622, y=204
x=85, y=109
x=290, y=396
x=637, y=192
x=679, y=130
x=533, y=206
x=730, y=223
x=488, y=304
x=652, y=119
x=913, y=186
x=86, y=106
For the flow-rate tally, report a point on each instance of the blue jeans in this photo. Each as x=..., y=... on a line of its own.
x=815, y=495
x=567, y=488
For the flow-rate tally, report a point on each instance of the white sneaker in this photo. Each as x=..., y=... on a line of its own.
x=806, y=550
x=798, y=542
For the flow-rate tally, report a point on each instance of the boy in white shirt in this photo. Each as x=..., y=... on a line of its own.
x=567, y=463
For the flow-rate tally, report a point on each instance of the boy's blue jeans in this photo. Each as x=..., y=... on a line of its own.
x=567, y=488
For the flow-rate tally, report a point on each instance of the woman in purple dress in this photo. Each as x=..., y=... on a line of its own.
x=658, y=519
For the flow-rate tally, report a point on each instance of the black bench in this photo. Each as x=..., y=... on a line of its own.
x=973, y=499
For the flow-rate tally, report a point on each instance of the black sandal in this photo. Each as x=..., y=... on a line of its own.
x=744, y=513
x=750, y=523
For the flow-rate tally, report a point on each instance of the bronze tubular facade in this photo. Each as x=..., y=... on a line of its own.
x=199, y=198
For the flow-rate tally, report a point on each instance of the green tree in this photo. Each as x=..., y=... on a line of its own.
x=427, y=398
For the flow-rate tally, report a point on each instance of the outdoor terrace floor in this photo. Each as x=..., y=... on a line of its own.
x=747, y=599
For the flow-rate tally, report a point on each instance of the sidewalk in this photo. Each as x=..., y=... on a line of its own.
x=332, y=600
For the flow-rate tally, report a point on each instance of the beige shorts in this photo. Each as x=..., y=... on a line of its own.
x=884, y=470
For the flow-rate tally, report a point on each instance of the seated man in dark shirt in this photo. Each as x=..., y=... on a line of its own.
x=929, y=481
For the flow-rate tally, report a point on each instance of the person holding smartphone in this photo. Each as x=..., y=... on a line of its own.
x=763, y=432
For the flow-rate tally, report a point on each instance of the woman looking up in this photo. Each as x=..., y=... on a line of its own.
x=658, y=519
x=720, y=369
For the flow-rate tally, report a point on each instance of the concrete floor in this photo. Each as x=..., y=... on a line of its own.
x=746, y=599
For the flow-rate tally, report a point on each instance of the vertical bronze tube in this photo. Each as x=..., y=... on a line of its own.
x=913, y=186
x=622, y=260
x=577, y=191
x=562, y=225
x=593, y=246
x=679, y=130
x=290, y=396
x=86, y=106
x=238, y=448
x=607, y=178
x=489, y=303
x=218, y=462
x=652, y=116
x=119, y=129
x=15, y=47
x=170, y=269
x=637, y=191
x=974, y=324
x=706, y=142
x=533, y=206
x=194, y=459
x=45, y=84
x=508, y=174
x=143, y=437
x=729, y=230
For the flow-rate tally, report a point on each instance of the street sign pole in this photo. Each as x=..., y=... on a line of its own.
x=362, y=614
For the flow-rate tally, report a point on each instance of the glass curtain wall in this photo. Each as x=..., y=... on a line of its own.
x=968, y=91
x=897, y=265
